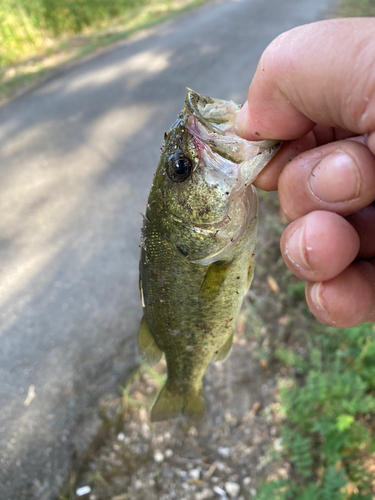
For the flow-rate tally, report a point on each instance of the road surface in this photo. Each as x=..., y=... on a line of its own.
x=77, y=158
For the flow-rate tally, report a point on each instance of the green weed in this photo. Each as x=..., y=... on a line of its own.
x=329, y=419
x=356, y=8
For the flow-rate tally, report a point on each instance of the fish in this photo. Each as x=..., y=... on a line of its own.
x=197, y=248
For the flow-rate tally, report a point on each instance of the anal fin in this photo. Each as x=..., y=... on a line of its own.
x=147, y=347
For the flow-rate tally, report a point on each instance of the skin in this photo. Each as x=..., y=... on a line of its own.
x=315, y=88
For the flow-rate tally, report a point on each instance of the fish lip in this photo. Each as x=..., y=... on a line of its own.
x=191, y=103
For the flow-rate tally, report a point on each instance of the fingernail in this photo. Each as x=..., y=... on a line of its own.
x=240, y=125
x=316, y=296
x=295, y=249
x=336, y=178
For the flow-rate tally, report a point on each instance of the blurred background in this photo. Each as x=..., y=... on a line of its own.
x=88, y=90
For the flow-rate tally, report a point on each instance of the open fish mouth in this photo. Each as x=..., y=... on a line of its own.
x=211, y=124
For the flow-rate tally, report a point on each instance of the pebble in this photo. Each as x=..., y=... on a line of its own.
x=205, y=494
x=247, y=480
x=194, y=473
x=193, y=432
x=158, y=457
x=232, y=489
x=278, y=444
x=223, y=451
x=138, y=484
x=84, y=490
x=121, y=437
x=220, y=491
x=168, y=453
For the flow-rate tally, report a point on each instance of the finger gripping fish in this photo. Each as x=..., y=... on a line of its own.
x=197, y=247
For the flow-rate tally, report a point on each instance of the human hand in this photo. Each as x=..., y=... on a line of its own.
x=315, y=88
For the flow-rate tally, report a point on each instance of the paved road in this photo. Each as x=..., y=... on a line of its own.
x=77, y=158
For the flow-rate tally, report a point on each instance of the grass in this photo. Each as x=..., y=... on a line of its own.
x=356, y=8
x=28, y=53
x=328, y=435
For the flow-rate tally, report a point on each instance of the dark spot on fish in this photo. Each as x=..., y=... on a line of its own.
x=185, y=204
x=257, y=133
x=227, y=192
x=182, y=249
x=204, y=210
x=238, y=277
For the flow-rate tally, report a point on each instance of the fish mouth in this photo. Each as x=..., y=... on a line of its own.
x=210, y=122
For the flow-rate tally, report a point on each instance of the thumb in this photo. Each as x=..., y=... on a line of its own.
x=322, y=73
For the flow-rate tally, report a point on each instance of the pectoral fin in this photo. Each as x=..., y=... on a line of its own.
x=214, y=279
x=224, y=350
x=147, y=347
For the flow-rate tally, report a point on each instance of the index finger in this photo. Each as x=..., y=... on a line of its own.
x=322, y=73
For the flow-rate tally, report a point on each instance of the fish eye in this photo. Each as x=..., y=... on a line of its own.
x=179, y=167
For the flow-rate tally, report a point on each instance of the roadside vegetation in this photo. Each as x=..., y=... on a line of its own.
x=328, y=407
x=357, y=8
x=39, y=35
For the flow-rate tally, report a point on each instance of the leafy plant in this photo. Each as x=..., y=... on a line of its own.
x=329, y=418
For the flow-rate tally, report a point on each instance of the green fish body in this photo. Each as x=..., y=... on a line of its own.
x=197, y=248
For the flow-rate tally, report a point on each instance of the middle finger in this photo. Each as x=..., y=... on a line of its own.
x=337, y=177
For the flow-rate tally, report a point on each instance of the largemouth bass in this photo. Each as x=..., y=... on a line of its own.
x=197, y=247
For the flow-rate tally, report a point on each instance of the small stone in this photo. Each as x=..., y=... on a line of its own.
x=194, y=473
x=205, y=494
x=193, y=432
x=223, y=451
x=121, y=437
x=278, y=444
x=143, y=414
x=84, y=490
x=232, y=489
x=158, y=457
x=220, y=491
x=247, y=480
x=168, y=453
x=138, y=484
